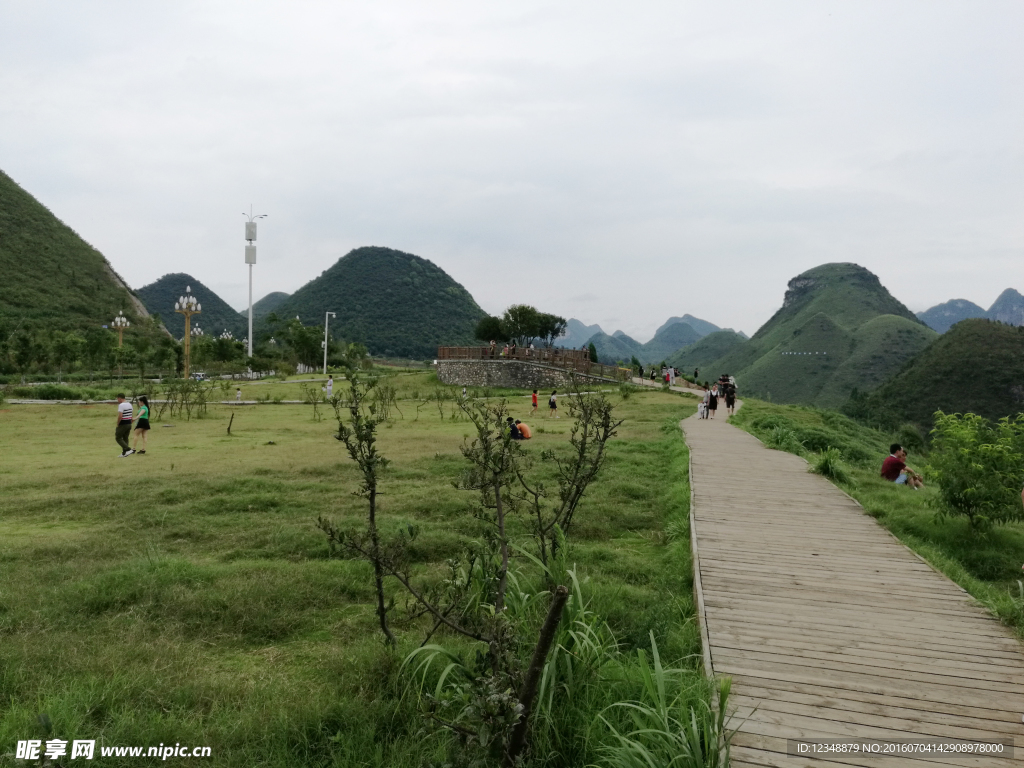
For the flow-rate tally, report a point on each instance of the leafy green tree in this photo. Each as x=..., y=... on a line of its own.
x=490, y=328
x=521, y=323
x=24, y=352
x=66, y=349
x=98, y=344
x=979, y=467
x=550, y=327
x=593, y=352
x=226, y=350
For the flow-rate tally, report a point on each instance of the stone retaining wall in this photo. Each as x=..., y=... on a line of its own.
x=503, y=373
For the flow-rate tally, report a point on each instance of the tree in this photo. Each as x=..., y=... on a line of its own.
x=593, y=352
x=491, y=329
x=550, y=327
x=305, y=342
x=24, y=352
x=66, y=350
x=521, y=323
x=359, y=435
x=98, y=343
x=979, y=467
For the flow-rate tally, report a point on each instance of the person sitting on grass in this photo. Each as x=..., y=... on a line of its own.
x=895, y=469
x=513, y=429
x=524, y=430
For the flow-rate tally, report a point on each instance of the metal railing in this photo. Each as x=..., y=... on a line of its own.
x=577, y=360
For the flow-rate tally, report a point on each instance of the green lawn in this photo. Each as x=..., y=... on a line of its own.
x=187, y=596
x=988, y=565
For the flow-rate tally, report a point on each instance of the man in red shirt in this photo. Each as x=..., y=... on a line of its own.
x=534, y=402
x=895, y=469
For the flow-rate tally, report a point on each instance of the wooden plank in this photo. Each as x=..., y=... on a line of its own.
x=829, y=625
x=772, y=693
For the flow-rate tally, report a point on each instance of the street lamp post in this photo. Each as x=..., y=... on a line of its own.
x=326, y=315
x=187, y=305
x=121, y=323
x=250, y=259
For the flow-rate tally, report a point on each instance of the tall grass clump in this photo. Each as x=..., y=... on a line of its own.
x=829, y=463
x=782, y=439
x=666, y=730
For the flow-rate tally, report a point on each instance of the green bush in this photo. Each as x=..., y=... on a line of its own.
x=979, y=467
x=782, y=439
x=829, y=463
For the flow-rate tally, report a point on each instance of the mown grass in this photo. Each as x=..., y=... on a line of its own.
x=988, y=565
x=186, y=596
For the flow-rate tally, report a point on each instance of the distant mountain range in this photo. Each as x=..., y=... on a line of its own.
x=671, y=337
x=577, y=334
x=1008, y=308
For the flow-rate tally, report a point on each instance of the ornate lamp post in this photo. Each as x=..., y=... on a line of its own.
x=226, y=335
x=187, y=305
x=120, y=322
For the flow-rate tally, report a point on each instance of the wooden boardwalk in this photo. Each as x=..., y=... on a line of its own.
x=829, y=626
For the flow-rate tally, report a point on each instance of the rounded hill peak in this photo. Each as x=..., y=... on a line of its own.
x=395, y=303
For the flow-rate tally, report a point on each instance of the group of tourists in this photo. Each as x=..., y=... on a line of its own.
x=724, y=388
x=509, y=350
x=125, y=418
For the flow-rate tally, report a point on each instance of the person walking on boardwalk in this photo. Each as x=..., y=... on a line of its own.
x=730, y=398
x=712, y=401
x=553, y=404
x=124, y=425
x=534, y=397
x=142, y=425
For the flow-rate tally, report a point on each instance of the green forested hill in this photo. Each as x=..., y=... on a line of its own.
x=393, y=302
x=976, y=366
x=667, y=341
x=703, y=353
x=265, y=306
x=52, y=278
x=614, y=349
x=838, y=330
x=216, y=317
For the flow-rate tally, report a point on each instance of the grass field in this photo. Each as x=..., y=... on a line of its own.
x=186, y=596
x=988, y=565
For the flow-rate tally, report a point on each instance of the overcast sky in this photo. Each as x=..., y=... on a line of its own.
x=614, y=162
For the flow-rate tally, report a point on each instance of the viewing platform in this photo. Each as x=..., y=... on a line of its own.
x=521, y=368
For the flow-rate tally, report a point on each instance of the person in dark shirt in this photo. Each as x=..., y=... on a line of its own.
x=513, y=429
x=895, y=469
